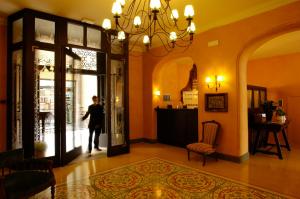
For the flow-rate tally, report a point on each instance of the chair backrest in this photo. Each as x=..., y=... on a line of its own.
x=7, y=158
x=210, y=130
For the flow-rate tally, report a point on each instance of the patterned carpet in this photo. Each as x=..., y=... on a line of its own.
x=157, y=178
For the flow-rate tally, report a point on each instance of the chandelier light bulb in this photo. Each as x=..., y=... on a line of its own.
x=137, y=21
x=155, y=4
x=173, y=36
x=220, y=78
x=116, y=9
x=174, y=14
x=122, y=2
x=189, y=11
x=146, y=40
x=121, y=35
x=106, y=24
x=192, y=28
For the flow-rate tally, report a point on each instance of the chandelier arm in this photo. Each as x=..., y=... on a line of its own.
x=164, y=9
x=129, y=10
x=134, y=43
x=132, y=5
x=163, y=28
x=161, y=39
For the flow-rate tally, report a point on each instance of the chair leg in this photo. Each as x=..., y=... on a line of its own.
x=52, y=191
x=188, y=151
x=216, y=156
x=204, y=160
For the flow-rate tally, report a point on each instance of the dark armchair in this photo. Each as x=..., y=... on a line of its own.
x=22, y=178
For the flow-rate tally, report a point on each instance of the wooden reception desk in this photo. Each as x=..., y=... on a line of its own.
x=177, y=127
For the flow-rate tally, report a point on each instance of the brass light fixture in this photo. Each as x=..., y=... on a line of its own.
x=214, y=82
x=146, y=20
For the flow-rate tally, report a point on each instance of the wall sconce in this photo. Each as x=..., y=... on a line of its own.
x=214, y=82
x=157, y=93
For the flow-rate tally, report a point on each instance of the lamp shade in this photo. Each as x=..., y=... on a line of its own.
x=116, y=9
x=122, y=2
x=155, y=4
x=173, y=36
x=174, y=14
x=189, y=11
x=146, y=40
x=192, y=28
x=121, y=35
x=106, y=24
x=137, y=21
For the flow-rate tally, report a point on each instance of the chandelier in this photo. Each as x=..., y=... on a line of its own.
x=143, y=21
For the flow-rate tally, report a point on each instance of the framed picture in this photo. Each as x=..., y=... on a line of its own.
x=216, y=102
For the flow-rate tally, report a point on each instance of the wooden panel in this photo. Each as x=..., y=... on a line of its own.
x=177, y=127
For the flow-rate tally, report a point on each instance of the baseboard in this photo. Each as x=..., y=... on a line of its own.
x=237, y=159
x=145, y=140
x=137, y=140
x=151, y=141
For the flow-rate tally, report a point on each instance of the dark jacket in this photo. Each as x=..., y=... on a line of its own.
x=97, y=115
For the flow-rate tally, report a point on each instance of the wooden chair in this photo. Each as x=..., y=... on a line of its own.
x=22, y=178
x=207, y=145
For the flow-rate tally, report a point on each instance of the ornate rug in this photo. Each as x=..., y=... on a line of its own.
x=157, y=178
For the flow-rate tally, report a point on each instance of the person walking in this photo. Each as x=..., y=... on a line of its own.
x=96, y=112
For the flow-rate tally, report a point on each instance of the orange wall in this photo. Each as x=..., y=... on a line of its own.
x=2, y=85
x=280, y=75
x=135, y=97
x=221, y=60
x=170, y=79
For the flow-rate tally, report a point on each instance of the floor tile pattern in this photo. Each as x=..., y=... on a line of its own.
x=157, y=178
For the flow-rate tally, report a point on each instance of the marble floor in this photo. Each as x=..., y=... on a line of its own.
x=265, y=171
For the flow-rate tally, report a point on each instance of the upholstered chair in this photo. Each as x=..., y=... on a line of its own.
x=207, y=145
x=22, y=178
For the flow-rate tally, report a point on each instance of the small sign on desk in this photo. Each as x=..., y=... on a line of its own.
x=190, y=98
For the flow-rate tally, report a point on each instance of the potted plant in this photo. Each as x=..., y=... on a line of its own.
x=280, y=115
x=40, y=149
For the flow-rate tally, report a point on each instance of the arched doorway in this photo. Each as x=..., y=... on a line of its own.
x=242, y=63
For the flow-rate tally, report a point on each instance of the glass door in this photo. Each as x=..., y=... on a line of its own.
x=44, y=103
x=72, y=134
x=118, y=136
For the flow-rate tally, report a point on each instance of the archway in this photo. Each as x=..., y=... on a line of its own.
x=169, y=77
x=242, y=62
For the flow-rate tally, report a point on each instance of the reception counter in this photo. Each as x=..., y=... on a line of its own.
x=177, y=127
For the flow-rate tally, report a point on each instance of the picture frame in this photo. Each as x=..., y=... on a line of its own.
x=216, y=102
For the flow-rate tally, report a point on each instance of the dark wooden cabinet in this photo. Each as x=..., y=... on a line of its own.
x=177, y=127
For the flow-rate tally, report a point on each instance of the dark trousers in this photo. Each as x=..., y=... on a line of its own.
x=96, y=138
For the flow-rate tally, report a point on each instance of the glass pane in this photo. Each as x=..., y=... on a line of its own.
x=116, y=46
x=75, y=34
x=18, y=30
x=93, y=38
x=256, y=98
x=44, y=135
x=249, y=97
x=117, y=103
x=44, y=30
x=17, y=100
x=88, y=59
x=262, y=97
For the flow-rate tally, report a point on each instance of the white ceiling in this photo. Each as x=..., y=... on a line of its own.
x=285, y=44
x=208, y=14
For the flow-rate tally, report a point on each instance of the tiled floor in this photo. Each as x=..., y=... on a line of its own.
x=261, y=170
